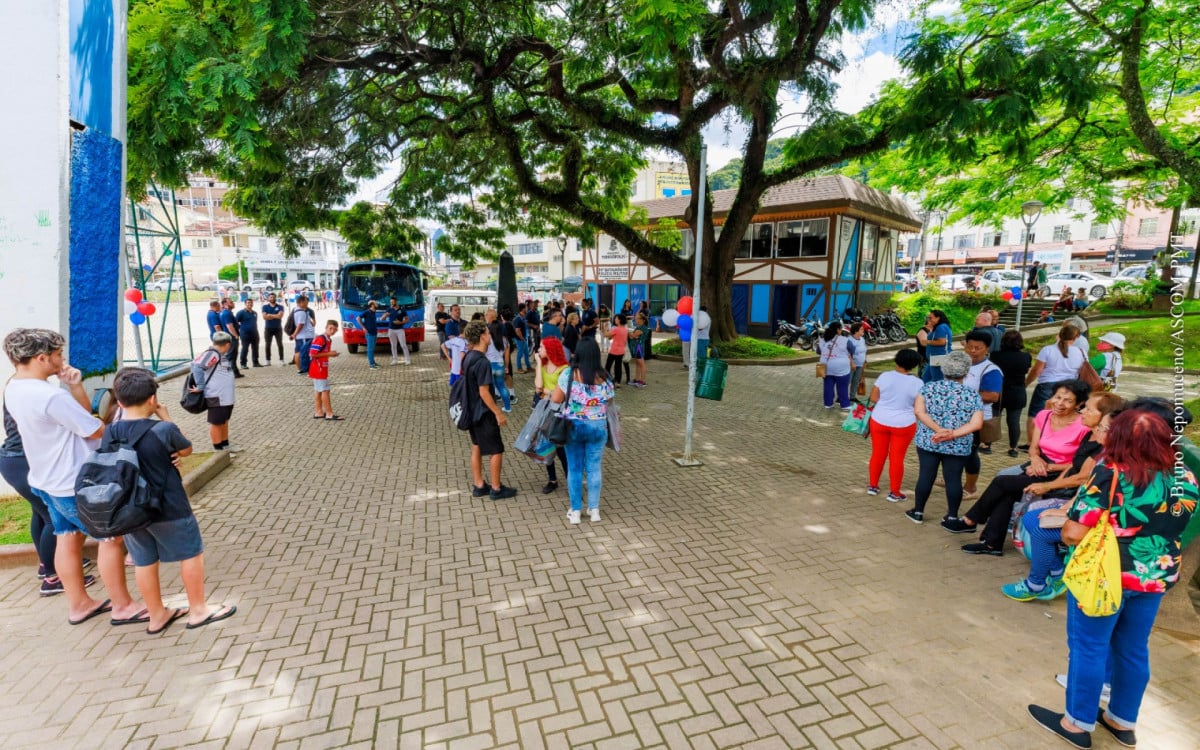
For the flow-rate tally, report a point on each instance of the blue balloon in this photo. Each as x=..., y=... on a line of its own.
x=147, y=268
x=137, y=318
x=684, y=324
x=1017, y=294
x=1015, y=290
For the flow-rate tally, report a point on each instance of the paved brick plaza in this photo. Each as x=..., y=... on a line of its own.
x=762, y=600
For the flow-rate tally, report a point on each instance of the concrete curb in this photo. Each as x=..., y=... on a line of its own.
x=17, y=555
x=739, y=362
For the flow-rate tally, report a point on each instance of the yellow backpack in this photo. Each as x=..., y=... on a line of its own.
x=1093, y=574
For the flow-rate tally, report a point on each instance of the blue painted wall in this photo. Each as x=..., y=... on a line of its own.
x=637, y=293
x=92, y=49
x=760, y=303
x=620, y=294
x=95, y=250
x=740, y=302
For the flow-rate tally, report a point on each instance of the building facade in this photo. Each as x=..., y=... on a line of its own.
x=815, y=247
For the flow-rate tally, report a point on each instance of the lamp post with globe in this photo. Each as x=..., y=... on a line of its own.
x=1030, y=211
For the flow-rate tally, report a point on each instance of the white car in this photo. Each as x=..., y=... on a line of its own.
x=258, y=286
x=535, y=283
x=160, y=285
x=1096, y=284
x=999, y=280
x=955, y=282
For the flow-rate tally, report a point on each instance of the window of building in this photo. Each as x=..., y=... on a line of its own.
x=869, y=251
x=803, y=239
x=314, y=245
x=1147, y=227
x=1098, y=231
x=963, y=241
x=227, y=241
x=202, y=244
x=757, y=241
x=261, y=242
x=997, y=238
x=663, y=296
x=1028, y=236
x=1188, y=225
x=526, y=248
x=1062, y=233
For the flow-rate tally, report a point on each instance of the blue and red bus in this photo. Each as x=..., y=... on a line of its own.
x=379, y=280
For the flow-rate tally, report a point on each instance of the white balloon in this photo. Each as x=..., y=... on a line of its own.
x=130, y=307
x=703, y=320
x=670, y=317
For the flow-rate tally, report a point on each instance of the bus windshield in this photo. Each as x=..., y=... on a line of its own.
x=363, y=282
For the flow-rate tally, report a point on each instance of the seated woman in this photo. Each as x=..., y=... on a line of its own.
x=1065, y=301
x=1043, y=526
x=1057, y=434
x=1081, y=300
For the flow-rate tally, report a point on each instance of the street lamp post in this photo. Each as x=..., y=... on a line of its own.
x=562, y=258
x=1030, y=211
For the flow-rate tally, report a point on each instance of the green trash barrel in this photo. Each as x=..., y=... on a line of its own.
x=710, y=381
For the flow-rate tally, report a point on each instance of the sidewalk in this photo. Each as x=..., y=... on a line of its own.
x=761, y=600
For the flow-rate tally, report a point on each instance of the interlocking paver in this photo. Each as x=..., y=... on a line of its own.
x=760, y=600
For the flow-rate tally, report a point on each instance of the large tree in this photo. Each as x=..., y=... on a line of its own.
x=517, y=115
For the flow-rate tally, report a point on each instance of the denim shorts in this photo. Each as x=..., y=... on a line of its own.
x=1041, y=394
x=320, y=385
x=165, y=541
x=64, y=515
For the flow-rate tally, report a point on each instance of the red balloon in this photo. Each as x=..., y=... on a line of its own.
x=684, y=305
x=147, y=308
x=133, y=295
x=1006, y=296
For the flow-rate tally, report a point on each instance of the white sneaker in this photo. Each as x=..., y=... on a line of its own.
x=393, y=363
x=1105, y=692
x=407, y=362
x=573, y=516
x=594, y=516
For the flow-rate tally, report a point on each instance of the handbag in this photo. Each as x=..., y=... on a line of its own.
x=862, y=387
x=991, y=430
x=821, y=366
x=858, y=421
x=613, y=416
x=1093, y=574
x=1088, y=375
x=561, y=427
x=528, y=437
x=626, y=357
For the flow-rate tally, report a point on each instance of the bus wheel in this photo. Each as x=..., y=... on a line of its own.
x=353, y=348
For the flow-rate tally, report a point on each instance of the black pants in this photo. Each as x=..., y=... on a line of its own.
x=233, y=356
x=613, y=365
x=952, y=473
x=994, y=508
x=250, y=346
x=15, y=470
x=1012, y=417
x=276, y=335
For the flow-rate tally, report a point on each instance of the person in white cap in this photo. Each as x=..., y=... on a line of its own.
x=1108, y=359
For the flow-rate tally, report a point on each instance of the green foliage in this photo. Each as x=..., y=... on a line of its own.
x=743, y=347
x=1127, y=295
x=960, y=308
x=1144, y=343
x=230, y=272
x=15, y=513
x=380, y=233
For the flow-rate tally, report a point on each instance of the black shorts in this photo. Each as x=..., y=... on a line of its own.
x=217, y=414
x=486, y=434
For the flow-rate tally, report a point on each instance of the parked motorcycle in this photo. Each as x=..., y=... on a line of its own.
x=806, y=333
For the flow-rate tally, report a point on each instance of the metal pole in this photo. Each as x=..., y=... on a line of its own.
x=137, y=334
x=688, y=459
x=1024, y=275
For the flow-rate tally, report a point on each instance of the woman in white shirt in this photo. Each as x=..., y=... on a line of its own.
x=1055, y=363
x=893, y=422
x=836, y=352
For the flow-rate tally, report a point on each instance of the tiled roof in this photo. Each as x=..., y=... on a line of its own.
x=825, y=191
x=217, y=227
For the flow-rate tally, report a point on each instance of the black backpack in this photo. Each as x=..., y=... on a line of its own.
x=195, y=402
x=111, y=494
x=289, y=325
x=465, y=408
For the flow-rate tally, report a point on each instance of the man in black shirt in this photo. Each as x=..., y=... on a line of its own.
x=272, y=314
x=533, y=322
x=487, y=418
x=589, y=321
x=439, y=322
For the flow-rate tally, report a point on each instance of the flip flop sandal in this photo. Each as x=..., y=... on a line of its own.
x=175, y=615
x=105, y=606
x=140, y=617
x=318, y=416
x=214, y=617
x=335, y=418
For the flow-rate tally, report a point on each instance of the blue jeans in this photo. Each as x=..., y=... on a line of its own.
x=931, y=374
x=499, y=384
x=523, y=355
x=302, y=349
x=371, y=349
x=1044, y=559
x=1122, y=638
x=585, y=454
x=842, y=384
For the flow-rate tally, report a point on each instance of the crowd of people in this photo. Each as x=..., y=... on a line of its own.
x=1086, y=448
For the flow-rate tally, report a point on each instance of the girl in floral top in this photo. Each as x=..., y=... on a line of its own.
x=948, y=412
x=586, y=398
x=1152, y=501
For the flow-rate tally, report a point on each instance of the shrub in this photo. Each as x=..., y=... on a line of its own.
x=743, y=347
x=1128, y=295
x=960, y=307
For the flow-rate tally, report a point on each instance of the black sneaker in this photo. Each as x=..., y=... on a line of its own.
x=1052, y=722
x=956, y=526
x=1124, y=737
x=985, y=449
x=1023, y=447
x=915, y=516
x=549, y=487
x=480, y=491
x=41, y=572
x=52, y=586
x=979, y=548
x=503, y=493
x=1013, y=453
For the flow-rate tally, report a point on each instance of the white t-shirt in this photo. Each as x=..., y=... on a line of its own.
x=1112, y=366
x=53, y=426
x=1082, y=344
x=860, y=352
x=897, y=393
x=304, y=323
x=704, y=332
x=457, y=346
x=1058, y=367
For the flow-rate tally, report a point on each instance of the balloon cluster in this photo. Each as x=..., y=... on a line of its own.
x=137, y=308
x=1012, y=296
x=681, y=317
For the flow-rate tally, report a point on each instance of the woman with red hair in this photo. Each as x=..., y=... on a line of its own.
x=551, y=361
x=1152, y=498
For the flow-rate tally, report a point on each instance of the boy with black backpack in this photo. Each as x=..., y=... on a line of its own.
x=174, y=535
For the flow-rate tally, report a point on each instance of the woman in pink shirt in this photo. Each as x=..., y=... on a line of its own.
x=1057, y=433
x=618, y=337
